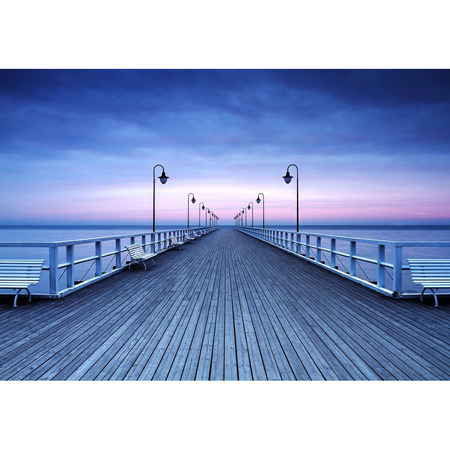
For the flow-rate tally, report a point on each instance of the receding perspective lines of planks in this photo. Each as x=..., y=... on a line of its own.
x=227, y=307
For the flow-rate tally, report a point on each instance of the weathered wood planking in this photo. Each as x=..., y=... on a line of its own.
x=228, y=307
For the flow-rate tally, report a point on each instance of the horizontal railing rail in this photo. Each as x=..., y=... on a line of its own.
x=311, y=247
x=153, y=242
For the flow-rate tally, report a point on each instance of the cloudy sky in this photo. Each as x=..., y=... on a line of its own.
x=79, y=146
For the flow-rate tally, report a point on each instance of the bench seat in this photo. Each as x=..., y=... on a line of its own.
x=432, y=274
x=138, y=255
x=20, y=274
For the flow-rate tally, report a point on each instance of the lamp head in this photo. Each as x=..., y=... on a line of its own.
x=163, y=178
x=258, y=200
x=287, y=178
x=193, y=199
x=248, y=207
x=203, y=207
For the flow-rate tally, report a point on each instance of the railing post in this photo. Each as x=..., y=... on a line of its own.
x=118, y=254
x=98, y=261
x=132, y=240
x=299, y=243
x=291, y=244
x=352, y=258
x=152, y=243
x=397, y=282
x=144, y=242
x=70, y=268
x=333, y=253
x=53, y=269
x=318, y=250
x=381, y=259
x=308, y=239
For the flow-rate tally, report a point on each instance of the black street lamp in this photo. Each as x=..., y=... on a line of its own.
x=244, y=211
x=163, y=178
x=203, y=207
x=258, y=200
x=206, y=219
x=193, y=201
x=248, y=207
x=287, y=178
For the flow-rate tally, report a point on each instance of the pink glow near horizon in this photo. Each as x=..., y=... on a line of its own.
x=320, y=203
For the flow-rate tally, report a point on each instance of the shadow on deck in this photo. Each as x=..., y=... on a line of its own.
x=227, y=307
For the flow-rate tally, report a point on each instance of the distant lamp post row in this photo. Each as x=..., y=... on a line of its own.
x=287, y=178
x=163, y=178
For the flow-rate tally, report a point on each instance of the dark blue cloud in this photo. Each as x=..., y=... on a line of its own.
x=56, y=110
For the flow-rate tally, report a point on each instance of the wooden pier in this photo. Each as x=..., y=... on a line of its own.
x=226, y=307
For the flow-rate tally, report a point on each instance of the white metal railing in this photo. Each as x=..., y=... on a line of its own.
x=388, y=259
x=155, y=242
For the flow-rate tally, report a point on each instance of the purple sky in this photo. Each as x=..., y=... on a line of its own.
x=79, y=146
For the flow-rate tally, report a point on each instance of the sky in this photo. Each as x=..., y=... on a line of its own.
x=79, y=146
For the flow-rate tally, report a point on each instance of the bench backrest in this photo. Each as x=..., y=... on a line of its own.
x=429, y=269
x=28, y=270
x=135, y=250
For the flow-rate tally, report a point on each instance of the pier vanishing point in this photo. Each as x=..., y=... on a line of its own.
x=226, y=307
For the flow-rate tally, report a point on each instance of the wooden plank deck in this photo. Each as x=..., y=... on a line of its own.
x=227, y=307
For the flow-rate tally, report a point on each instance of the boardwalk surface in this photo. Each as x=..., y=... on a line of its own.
x=227, y=307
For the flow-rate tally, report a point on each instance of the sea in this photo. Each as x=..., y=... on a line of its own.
x=51, y=233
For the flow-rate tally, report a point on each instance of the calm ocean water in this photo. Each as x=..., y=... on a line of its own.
x=393, y=233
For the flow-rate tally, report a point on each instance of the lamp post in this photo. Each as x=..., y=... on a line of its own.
x=206, y=220
x=163, y=178
x=287, y=178
x=193, y=201
x=210, y=217
x=244, y=211
x=258, y=200
x=248, y=207
x=203, y=207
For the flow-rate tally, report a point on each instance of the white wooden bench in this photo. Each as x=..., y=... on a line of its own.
x=138, y=255
x=19, y=274
x=174, y=243
x=432, y=274
x=188, y=238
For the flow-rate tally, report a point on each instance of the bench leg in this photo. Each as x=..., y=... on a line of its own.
x=434, y=294
x=421, y=294
x=435, y=298
x=17, y=295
